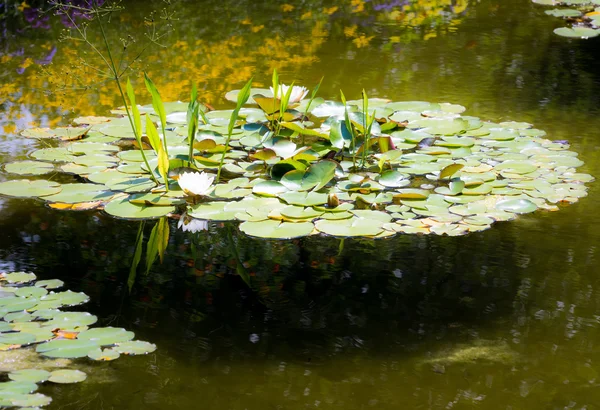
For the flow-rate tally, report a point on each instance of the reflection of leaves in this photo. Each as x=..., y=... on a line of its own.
x=157, y=244
x=137, y=255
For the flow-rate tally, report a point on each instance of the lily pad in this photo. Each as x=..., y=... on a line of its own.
x=26, y=168
x=29, y=375
x=18, y=277
x=67, y=376
x=123, y=208
x=276, y=229
x=135, y=347
x=105, y=336
x=24, y=188
x=66, y=348
x=517, y=206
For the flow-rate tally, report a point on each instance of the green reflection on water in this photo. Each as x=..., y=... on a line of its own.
x=507, y=317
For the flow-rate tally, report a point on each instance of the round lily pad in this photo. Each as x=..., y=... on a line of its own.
x=123, y=208
x=27, y=400
x=517, y=206
x=26, y=168
x=18, y=277
x=50, y=283
x=67, y=376
x=29, y=375
x=66, y=348
x=276, y=229
x=105, y=336
x=24, y=188
x=71, y=320
x=135, y=347
x=104, y=355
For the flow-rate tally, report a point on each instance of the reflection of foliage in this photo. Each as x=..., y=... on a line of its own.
x=252, y=41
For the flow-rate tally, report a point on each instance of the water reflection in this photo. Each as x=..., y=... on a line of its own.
x=220, y=55
x=506, y=318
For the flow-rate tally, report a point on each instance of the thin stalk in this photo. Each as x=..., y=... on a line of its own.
x=122, y=94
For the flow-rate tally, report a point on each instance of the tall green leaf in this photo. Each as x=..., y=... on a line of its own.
x=158, y=106
x=242, y=98
x=137, y=119
x=285, y=99
x=192, y=120
x=275, y=81
x=137, y=255
x=137, y=125
x=163, y=158
x=312, y=96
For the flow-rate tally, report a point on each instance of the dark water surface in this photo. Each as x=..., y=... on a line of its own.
x=503, y=319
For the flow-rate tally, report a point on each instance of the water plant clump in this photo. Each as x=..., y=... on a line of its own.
x=288, y=167
x=583, y=14
x=32, y=319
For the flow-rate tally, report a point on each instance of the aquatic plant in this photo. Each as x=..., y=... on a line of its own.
x=404, y=167
x=32, y=318
x=583, y=15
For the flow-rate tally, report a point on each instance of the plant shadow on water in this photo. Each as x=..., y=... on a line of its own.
x=224, y=306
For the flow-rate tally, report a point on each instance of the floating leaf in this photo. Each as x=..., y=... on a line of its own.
x=104, y=355
x=123, y=208
x=24, y=188
x=135, y=347
x=29, y=375
x=29, y=168
x=18, y=277
x=67, y=376
x=450, y=170
x=66, y=348
x=517, y=206
x=276, y=229
x=577, y=32
x=350, y=227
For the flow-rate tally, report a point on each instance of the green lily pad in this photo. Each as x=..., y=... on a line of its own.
x=27, y=291
x=78, y=192
x=135, y=347
x=66, y=348
x=123, y=208
x=24, y=188
x=50, y=283
x=105, y=336
x=18, y=277
x=25, y=400
x=103, y=355
x=18, y=338
x=212, y=211
x=517, y=206
x=393, y=179
x=275, y=229
x=577, y=32
x=350, y=227
x=29, y=375
x=304, y=198
x=67, y=298
x=26, y=168
x=71, y=320
x=67, y=376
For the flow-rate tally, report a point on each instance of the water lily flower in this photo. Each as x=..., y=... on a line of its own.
x=194, y=183
x=193, y=225
x=298, y=93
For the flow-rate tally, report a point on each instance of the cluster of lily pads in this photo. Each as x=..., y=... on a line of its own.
x=584, y=14
x=370, y=167
x=32, y=318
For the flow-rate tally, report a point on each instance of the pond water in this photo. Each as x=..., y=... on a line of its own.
x=508, y=318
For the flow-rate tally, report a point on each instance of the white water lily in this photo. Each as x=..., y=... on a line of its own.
x=298, y=93
x=194, y=183
x=193, y=225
